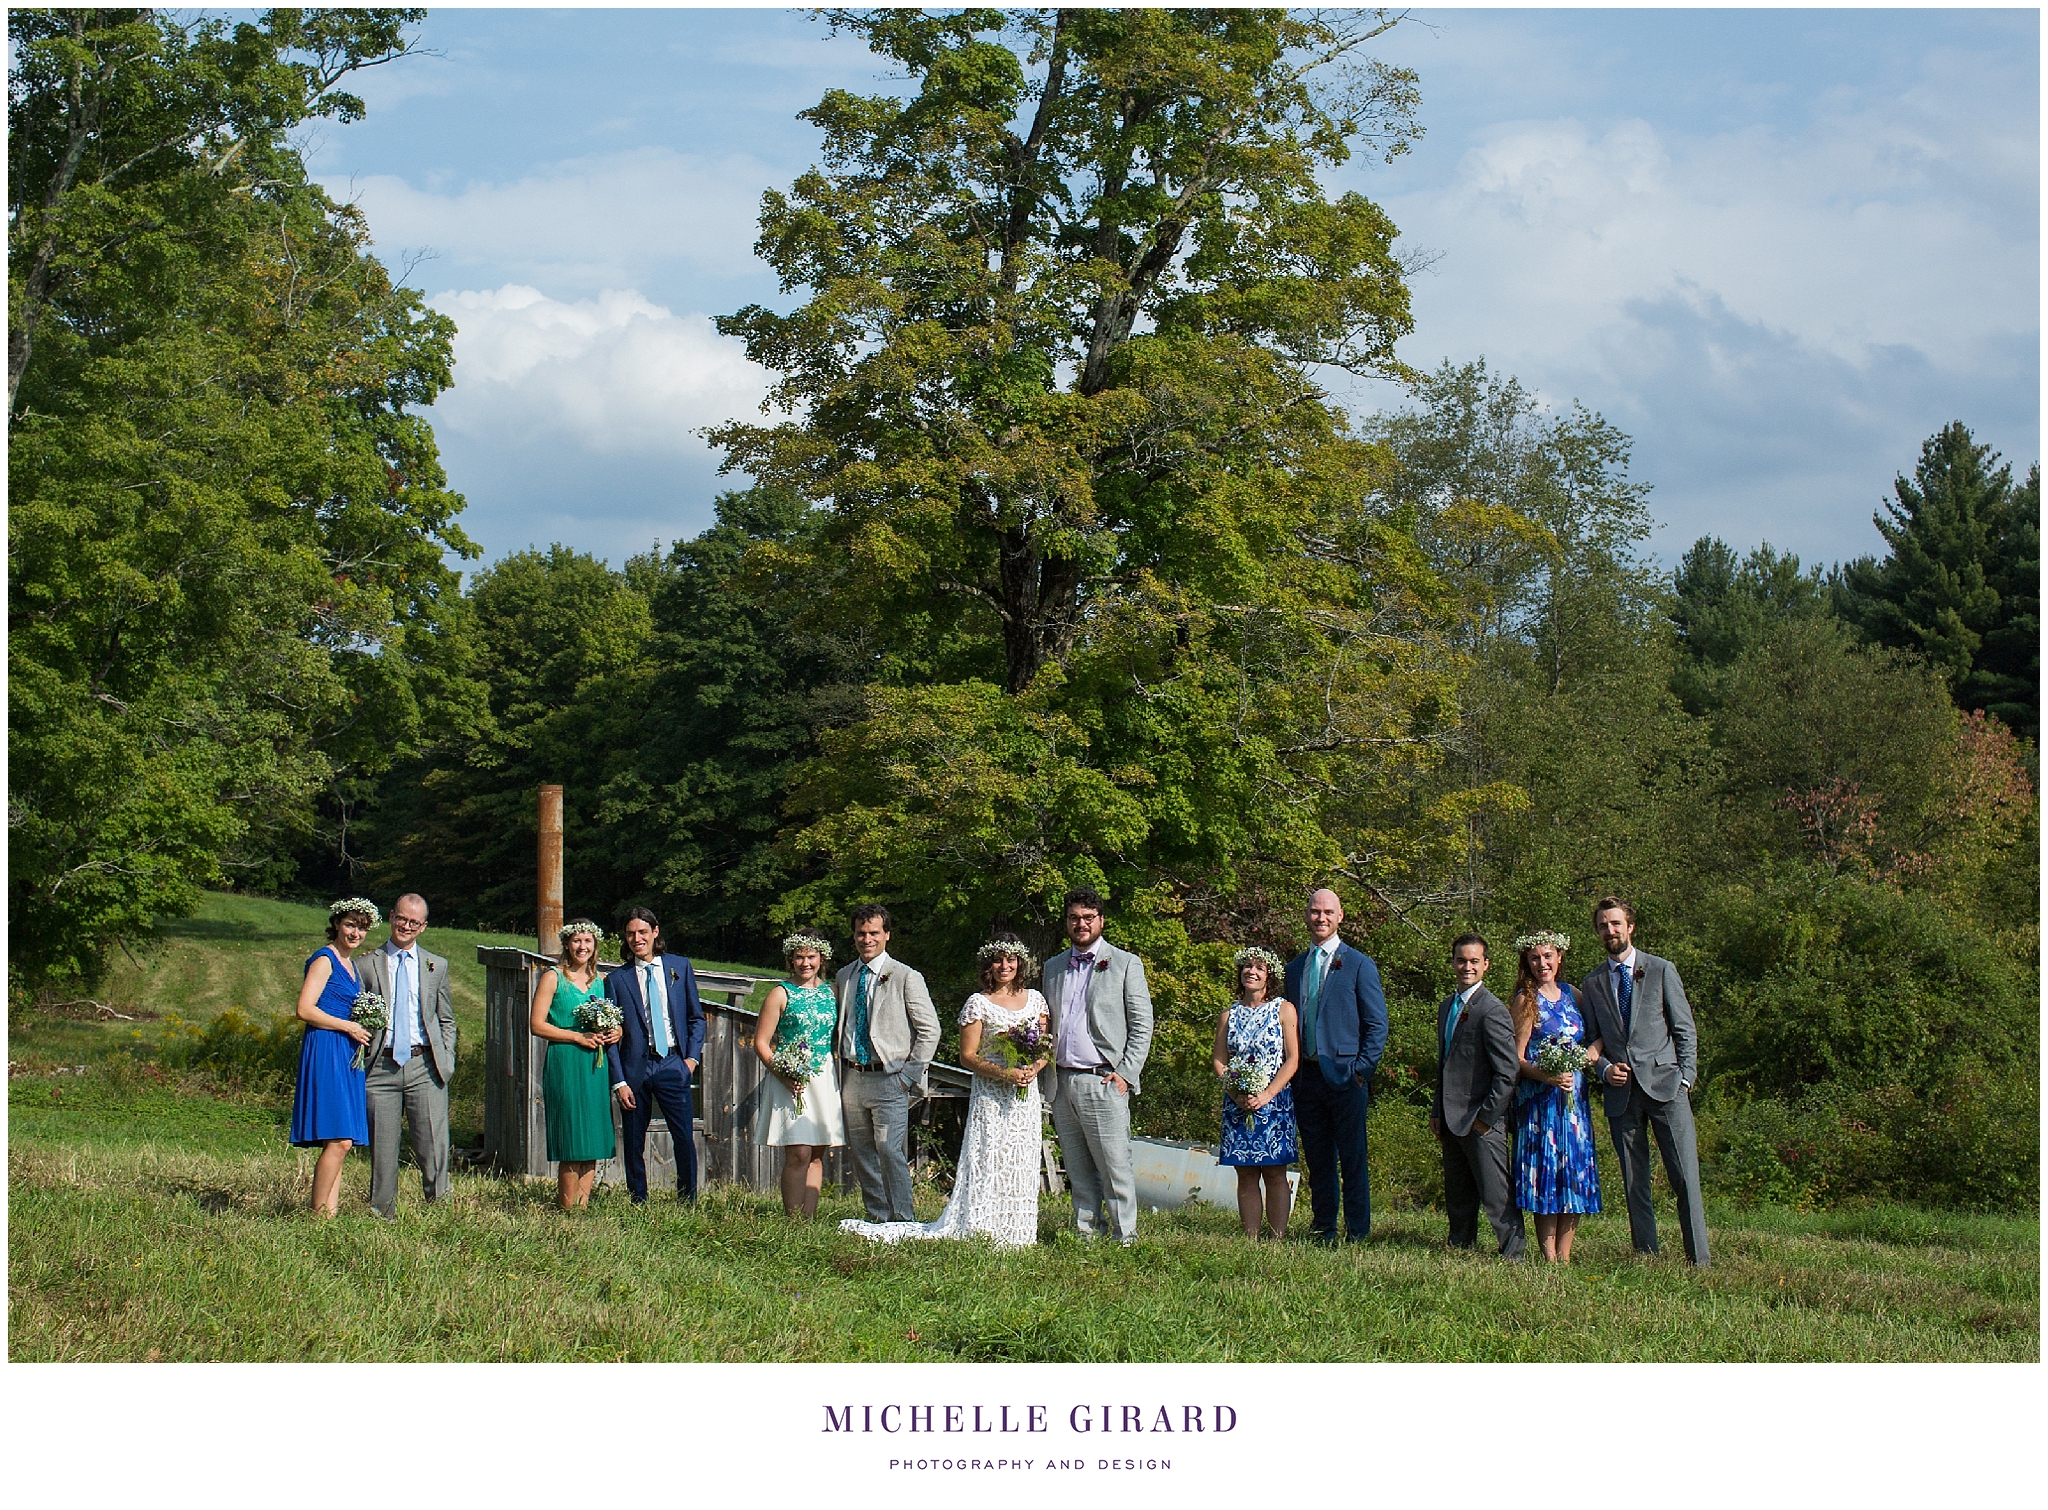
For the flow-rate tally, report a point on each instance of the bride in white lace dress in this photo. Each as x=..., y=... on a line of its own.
x=995, y=1189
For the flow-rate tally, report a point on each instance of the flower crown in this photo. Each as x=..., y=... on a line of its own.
x=1558, y=941
x=571, y=930
x=1020, y=952
x=796, y=943
x=1275, y=966
x=356, y=904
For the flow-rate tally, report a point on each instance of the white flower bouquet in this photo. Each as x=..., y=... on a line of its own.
x=374, y=1013
x=793, y=1062
x=600, y=1014
x=1247, y=1075
x=1559, y=1055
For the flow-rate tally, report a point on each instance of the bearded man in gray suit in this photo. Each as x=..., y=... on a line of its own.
x=1635, y=1005
x=410, y=1061
x=1101, y=1033
x=888, y=1032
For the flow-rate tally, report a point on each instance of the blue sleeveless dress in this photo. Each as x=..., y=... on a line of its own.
x=1255, y=1032
x=328, y=1101
x=1555, y=1174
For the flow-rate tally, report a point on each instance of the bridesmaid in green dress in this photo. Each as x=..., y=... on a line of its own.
x=802, y=1119
x=575, y=1084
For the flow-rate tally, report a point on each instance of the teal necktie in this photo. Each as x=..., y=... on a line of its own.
x=863, y=1046
x=1451, y=1026
x=1312, y=997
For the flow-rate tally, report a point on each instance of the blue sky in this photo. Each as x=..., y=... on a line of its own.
x=1779, y=248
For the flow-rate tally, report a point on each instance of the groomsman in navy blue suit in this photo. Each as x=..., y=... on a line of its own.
x=657, y=1054
x=1343, y=1013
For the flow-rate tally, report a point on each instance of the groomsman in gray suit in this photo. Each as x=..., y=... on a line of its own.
x=1475, y=1095
x=1636, y=1006
x=1102, y=1031
x=888, y=1033
x=410, y=1061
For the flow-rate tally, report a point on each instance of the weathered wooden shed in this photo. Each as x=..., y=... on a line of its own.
x=727, y=1086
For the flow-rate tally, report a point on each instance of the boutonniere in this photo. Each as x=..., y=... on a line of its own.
x=671, y=975
x=1336, y=962
x=430, y=967
x=882, y=977
x=1101, y=965
x=1639, y=972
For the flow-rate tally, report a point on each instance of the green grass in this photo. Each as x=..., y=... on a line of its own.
x=158, y=1215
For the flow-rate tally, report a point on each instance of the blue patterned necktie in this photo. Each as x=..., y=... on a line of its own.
x=863, y=1047
x=401, y=1012
x=1625, y=993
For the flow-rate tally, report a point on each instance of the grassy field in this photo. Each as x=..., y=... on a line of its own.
x=154, y=1214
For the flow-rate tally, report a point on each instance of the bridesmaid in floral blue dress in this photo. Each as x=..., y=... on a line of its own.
x=328, y=1106
x=1556, y=1179
x=1258, y=1126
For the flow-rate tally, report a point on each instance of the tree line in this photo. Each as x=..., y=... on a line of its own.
x=1059, y=566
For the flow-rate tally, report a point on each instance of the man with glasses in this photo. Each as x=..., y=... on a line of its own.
x=411, y=1060
x=1102, y=1031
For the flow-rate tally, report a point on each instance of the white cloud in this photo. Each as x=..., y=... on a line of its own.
x=613, y=376
x=581, y=224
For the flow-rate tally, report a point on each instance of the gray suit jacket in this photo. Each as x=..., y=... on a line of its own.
x=1119, y=1010
x=1475, y=1077
x=1662, y=1050
x=902, y=1023
x=437, y=1008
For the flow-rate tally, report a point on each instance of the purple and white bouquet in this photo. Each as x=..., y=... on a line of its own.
x=600, y=1014
x=373, y=1013
x=793, y=1063
x=1018, y=1048
x=1247, y=1075
x=1560, y=1055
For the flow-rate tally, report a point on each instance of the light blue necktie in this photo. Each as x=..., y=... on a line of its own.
x=401, y=1013
x=1312, y=997
x=657, y=1012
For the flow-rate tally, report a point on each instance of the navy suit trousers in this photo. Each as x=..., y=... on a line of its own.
x=668, y=1085
x=1332, y=1123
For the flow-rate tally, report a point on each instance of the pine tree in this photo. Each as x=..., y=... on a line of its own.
x=1959, y=585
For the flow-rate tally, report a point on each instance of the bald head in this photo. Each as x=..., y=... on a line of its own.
x=1325, y=912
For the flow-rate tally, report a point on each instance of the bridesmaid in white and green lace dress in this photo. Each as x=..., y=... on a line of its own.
x=804, y=1009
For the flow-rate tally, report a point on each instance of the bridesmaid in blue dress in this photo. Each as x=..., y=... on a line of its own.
x=328, y=1106
x=1556, y=1179
x=1258, y=1129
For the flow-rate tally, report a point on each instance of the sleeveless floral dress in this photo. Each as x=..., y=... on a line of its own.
x=1555, y=1174
x=812, y=1013
x=1268, y=1136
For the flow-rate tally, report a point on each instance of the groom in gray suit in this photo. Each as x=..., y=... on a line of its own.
x=1636, y=1006
x=888, y=1032
x=1101, y=1033
x=411, y=1060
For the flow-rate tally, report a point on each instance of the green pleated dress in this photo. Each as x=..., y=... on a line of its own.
x=576, y=1084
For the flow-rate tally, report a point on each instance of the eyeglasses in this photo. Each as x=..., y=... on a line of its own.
x=410, y=925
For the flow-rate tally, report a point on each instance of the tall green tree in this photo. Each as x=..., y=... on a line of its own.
x=1961, y=584
x=1724, y=605
x=227, y=517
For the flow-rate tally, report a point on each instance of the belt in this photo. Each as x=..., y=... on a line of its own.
x=1101, y=1071
x=865, y=1069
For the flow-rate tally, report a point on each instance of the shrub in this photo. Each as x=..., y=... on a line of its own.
x=235, y=1048
x=1403, y=1155
x=1970, y=1145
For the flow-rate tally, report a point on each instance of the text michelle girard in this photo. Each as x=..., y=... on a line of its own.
x=1003, y=1420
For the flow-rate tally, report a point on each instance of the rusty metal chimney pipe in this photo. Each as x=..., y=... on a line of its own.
x=550, y=908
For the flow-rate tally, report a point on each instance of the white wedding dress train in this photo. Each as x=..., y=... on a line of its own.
x=995, y=1189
